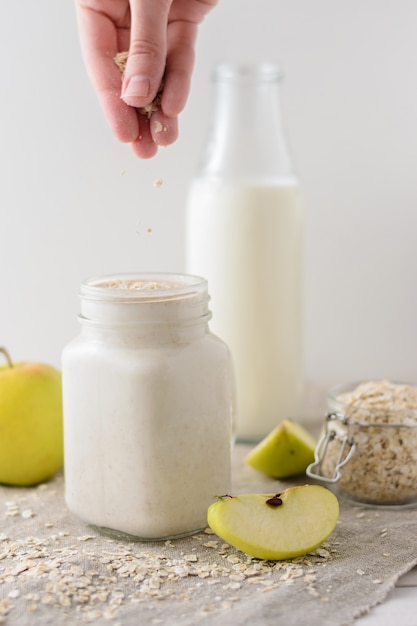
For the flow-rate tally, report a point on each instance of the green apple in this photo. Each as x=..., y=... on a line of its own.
x=276, y=526
x=286, y=451
x=31, y=423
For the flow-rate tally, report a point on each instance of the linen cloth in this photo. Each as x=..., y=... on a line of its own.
x=56, y=570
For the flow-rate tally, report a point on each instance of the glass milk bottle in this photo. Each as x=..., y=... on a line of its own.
x=245, y=235
x=148, y=399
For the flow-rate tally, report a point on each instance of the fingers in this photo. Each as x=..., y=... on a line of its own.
x=181, y=38
x=160, y=37
x=147, y=51
x=123, y=120
x=98, y=40
x=179, y=66
x=185, y=16
x=154, y=132
x=144, y=146
x=164, y=130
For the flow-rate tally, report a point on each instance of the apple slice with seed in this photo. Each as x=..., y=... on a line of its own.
x=276, y=526
x=286, y=451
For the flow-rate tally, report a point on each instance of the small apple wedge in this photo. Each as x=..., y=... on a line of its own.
x=276, y=527
x=286, y=451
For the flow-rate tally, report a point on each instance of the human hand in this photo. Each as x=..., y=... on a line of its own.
x=160, y=37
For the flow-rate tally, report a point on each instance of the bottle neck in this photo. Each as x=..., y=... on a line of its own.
x=155, y=308
x=246, y=138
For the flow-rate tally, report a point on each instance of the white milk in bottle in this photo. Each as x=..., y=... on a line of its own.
x=245, y=236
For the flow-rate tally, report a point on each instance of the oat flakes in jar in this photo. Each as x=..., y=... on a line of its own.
x=368, y=449
x=148, y=402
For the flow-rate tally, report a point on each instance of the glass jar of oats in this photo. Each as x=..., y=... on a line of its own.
x=368, y=448
x=148, y=399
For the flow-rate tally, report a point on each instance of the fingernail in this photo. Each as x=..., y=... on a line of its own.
x=138, y=86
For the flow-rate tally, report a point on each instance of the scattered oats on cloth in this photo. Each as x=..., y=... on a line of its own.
x=54, y=569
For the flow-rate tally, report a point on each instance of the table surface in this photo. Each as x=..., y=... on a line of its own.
x=31, y=513
x=399, y=608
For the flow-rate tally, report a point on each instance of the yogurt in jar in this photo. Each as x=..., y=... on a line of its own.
x=148, y=403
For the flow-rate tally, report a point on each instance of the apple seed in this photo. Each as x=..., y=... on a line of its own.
x=275, y=500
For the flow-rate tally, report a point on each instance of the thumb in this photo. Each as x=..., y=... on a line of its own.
x=147, y=51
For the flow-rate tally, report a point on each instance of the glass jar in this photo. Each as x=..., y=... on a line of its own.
x=368, y=448
x=148, y=401
x=245, y=223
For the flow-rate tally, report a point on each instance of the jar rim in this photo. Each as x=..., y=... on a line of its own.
x=409, y=420
x=400, y=418
x=137, y=287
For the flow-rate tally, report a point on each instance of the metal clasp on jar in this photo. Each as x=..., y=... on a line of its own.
x=347, y=449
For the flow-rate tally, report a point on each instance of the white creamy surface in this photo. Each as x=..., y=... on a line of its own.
x=246, y=240
x=147, y=427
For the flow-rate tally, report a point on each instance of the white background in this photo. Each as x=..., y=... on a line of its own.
x=75, y=203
